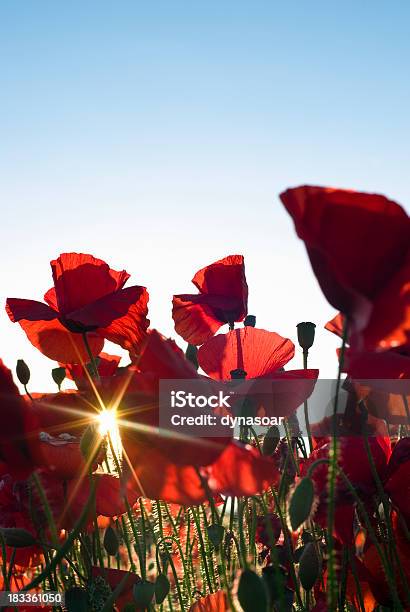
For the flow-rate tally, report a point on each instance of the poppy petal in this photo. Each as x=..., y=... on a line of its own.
x=120, y=317
x=224, y=277
x=162, y=357
x=239, y=470
x=14, y=450
x=335, y=325
x=29, y=310
x=389, y=324
x=60, y=413
x=357, y=242
x=324, y=217
x=256, y=351
x=57, y=343
x=50, y=297
x=288, y=390
x=81, y=278
x=214, y=602
x=195, y=320
x=223, y=299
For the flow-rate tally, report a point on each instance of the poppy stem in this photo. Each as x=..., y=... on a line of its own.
x=61, y=552
x=202, y=549
x=363, y=514
x=334, y=451
x=90, y=355
x=385, y=504
x=305, y=404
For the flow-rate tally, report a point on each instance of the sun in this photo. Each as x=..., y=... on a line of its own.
x=107, y=422
x=108, y=427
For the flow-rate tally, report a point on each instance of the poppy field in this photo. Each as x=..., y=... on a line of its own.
x=104, y=506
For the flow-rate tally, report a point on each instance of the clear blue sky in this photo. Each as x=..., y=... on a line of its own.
x=158, y=135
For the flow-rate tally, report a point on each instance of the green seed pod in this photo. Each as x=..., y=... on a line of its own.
x=306, y=334
x=238, y=374
x=250, y=321
x=23, y=372
x=58, y=375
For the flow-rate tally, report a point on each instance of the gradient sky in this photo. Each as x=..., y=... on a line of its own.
x=157, y=136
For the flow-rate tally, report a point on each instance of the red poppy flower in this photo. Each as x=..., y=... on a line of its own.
x=238, y=471
x=264, y=533
x=382, y=380
x=107, y=365
x=67, y=499
x=353, y=460
x=88, y=296
x=358, y=245
x=335, y=325
x=60, y=454
x=115, y=577
x=363, y=575
x=14, y=450
x=215, y=602
x=398, y=478
x=109, y=495
x=222, y=298
x=261, y=355
x=138, y=411
x=13, y=515
x=377, y=577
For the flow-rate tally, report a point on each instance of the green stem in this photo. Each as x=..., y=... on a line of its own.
x=369, y=526
x=334, y=451
x=202, y=550
x=305, y=404
x=63, y=550
x=90, y=355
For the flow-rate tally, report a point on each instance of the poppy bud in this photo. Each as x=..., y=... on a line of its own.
x=58, y=375
x=23, y=372
x=162, y=588
x=111, y=542
x=76, y=600
x=306, y=334
x=250, y=321
x=143, y=593
x=238, y=374
x=191, y=354
x=216, y=534
x=301, y=503
x=16, y=537
x=309, y=566
x=252, y=592
x=271, y=440
x=91, y=442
